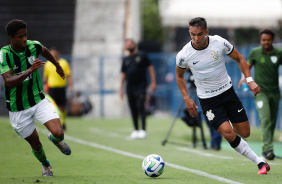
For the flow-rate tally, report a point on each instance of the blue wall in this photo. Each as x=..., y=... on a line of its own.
x=169, y=97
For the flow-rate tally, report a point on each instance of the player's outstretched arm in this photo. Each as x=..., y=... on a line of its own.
x=181, y=82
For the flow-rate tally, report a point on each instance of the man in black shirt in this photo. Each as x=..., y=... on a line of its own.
x=133, y=70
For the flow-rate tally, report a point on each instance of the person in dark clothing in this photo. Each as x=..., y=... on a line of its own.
x=133, y=71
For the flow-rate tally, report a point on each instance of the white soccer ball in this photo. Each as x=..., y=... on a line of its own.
x=153, y=165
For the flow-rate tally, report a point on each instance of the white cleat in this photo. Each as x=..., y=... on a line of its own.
x=142, y=134
x=134, y=134
x=47, y=171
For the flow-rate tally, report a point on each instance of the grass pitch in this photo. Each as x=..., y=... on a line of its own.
x=103, y=153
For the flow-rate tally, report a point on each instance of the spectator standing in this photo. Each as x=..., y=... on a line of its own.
x=133, y=71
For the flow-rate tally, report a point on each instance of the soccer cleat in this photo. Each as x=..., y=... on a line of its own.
x=62, y=145
x=47, y=171
x=269, y=155
x=142, y=134
x=134, y=134
x=265, y=168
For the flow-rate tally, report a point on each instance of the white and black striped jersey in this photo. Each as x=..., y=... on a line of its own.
x=207, y=66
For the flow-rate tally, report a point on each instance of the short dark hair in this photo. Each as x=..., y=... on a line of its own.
x=198, y=22
x=267, y=31
x=14, y=26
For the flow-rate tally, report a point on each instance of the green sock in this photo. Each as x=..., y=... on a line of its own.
x=54, y=139
x=40, y=155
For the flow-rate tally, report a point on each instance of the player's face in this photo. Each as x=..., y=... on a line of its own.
x=18, y=41
x=199, y=36
x=129, y=45
x=266, y=41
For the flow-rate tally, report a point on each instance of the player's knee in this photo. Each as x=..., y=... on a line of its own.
x=229, y=135
x=245, y=134
x=58, y=133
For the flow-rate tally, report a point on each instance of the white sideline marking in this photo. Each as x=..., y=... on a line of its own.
x=107, y=148
x=203, y=153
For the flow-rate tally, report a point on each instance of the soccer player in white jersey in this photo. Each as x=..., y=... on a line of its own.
x=204, y=55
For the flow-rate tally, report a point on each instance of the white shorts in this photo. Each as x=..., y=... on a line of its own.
x=23, y=121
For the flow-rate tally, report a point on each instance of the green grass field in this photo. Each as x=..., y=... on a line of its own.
x=102, y=153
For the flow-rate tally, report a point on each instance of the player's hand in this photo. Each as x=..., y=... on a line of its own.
x=153, y=87
x=243, y=80
x=36, y=64
x=254, y=87
x=60, y=71
x=121, y=93
x=191, y=107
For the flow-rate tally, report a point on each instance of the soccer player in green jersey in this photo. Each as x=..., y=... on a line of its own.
x=24, y=95
x=266, y=60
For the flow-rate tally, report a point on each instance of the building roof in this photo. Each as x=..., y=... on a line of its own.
x=222, y=13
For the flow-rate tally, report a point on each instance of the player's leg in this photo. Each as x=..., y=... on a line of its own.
x=241, y=146
x=134, y=114
x=141, y=110
x=263, y=107
x=47, y=115
x=38, y=152
x=24, y=125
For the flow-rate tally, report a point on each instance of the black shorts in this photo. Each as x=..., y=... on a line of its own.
x=224, y=107
x=59, y=95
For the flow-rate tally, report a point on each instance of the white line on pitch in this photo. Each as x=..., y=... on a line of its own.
x=107, y=148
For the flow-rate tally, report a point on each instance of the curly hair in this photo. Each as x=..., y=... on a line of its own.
x=14, y=26
x=267, y=31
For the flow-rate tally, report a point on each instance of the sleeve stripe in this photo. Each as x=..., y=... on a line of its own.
x=181, y=67
x=231, y=51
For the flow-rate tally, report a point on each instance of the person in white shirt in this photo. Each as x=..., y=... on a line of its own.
x=204, y=55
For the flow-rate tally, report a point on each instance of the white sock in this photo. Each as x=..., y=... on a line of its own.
x=244, y=149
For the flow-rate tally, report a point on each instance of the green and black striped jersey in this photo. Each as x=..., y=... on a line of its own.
x=30, y=91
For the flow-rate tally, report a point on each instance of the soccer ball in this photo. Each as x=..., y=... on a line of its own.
x=153, y=165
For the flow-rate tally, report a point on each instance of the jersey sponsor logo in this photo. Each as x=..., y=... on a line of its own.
x=274, y=59
x=239, y=110
x=31, y=59
x=195, y=62
x=210, y=115
x=216, y=90
x=215, y=55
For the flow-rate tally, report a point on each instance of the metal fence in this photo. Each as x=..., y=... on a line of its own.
x=98, y=77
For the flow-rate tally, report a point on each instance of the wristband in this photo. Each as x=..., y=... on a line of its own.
x=249, y=79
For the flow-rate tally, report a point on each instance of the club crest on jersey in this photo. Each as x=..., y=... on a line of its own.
x=210, y=115
x=273, y=59
x=138, y=59
x=215, y=55
x=31, y=59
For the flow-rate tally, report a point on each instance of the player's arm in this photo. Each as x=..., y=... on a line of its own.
x=70, y=83
x=122, y=79
x=153, y=77
x=244, y=67
x=12, y=80
x=243, y=79
x=181, y=82
x=47, y=55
